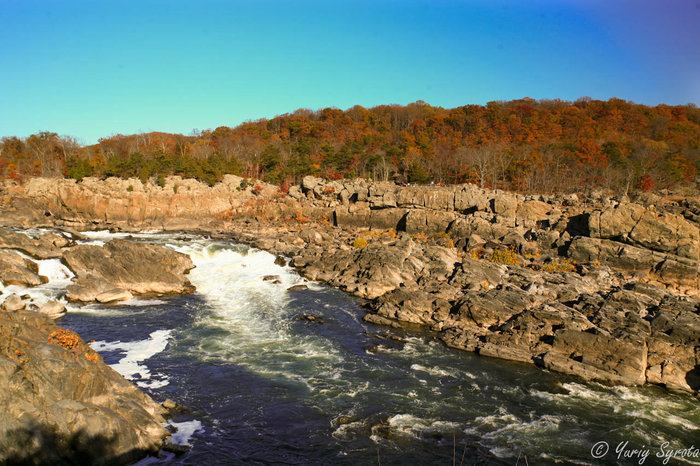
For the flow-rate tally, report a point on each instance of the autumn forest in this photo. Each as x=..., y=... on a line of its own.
x=523, y=145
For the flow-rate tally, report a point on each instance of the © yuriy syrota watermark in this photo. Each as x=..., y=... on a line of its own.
x=624, y=451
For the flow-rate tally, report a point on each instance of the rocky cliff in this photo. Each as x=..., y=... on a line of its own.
x=600, y=287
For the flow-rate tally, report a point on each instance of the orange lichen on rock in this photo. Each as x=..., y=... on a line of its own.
x=64, y=338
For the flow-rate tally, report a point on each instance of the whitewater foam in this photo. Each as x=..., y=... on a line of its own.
x=185, y=431
x=136, y=352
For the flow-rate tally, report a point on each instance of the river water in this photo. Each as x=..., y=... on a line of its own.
x=259, y=384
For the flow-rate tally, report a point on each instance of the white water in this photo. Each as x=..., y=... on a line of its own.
x=135, y=353
x=254, y=313
x=184, y=431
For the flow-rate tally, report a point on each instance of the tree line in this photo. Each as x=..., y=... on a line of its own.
x=523, y=145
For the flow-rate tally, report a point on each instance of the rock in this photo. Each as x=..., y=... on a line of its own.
x=42, y=248
x=13, y=303
x=493, y=307
x=598, y=357
x=169, y=404
x=640, y=226
x=86, y=289
x=61, y=404
x=271, y=278
x=427, y=221
x=592, y=315
x=281, y=261
x=53, y=309
x=533, y=211
x=308, y=183
x=297, y=288
x=405, y=305
x=667, y=267
x=504, y=204
x=470, y=198
x=115, y=294
x=16, y=270
x=311, y=318
x=138, y=268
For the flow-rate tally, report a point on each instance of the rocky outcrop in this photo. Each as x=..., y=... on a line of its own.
x=646, y=228
x=47, y=246
x=592, y=321
x=120, y=267
x=16, y=270
x=667, y=268
x=590, y=285
x=60, y=404
x=178, y=204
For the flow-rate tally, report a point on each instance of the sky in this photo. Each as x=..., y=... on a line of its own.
x=91, y=68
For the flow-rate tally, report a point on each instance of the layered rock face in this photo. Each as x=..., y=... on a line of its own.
x=59, y=402
x=660, y=239
x=179, y=204
x=589, y=285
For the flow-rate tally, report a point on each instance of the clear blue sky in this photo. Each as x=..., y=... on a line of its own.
x=91, y=69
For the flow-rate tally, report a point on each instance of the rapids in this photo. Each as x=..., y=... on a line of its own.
x=259, y=384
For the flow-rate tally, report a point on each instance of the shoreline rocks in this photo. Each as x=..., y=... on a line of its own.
x=594, y=286
x=16, y=270
x=121, y=268
x=60, y=403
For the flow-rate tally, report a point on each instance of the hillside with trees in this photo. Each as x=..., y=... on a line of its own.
x=523, y=145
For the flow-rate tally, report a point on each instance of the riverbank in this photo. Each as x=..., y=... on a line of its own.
x=602, y=288
x=60, y=402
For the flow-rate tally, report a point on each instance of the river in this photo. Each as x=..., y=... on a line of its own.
x=260, y=384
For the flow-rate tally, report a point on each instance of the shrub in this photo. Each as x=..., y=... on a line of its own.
x=129, y=188
x=300, y=218
x=559, y=265
x=420, y=237
x=504, y=257
x=257, y=189
x=359, y=243
x=244, y=184
x=417, y=173
x=78, y=168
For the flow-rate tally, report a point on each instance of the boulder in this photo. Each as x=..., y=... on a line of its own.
x=598, y=357
x=16, y=270
x=427, y=221
x=53, y=309
x=666, y=267
x=647, y=228
x=113, y=295
x=505, y=204
x=138, y=268
x=533, y=211
x=45, y=247
x=61, y=404
x=493, y=307
x=13, y=303
x=470, y=198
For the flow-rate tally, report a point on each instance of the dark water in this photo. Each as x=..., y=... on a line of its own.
x=260, y=385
